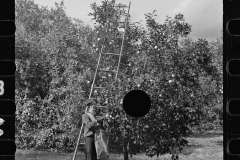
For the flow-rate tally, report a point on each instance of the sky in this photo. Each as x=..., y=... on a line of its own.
x=205, y=16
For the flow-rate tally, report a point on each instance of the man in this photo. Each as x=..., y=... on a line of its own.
x=89, y=131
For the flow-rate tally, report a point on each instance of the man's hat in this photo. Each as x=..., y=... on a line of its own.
x=90, y=101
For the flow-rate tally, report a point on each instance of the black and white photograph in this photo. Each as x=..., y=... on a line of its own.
x=118, y=80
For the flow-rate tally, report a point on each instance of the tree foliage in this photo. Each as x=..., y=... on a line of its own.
x=53, y=65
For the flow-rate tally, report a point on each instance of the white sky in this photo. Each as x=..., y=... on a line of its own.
x=205, y=16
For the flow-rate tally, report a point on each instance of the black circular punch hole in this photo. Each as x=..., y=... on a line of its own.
x=136, y=103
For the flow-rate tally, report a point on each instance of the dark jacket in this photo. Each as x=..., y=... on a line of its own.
x=89, y=126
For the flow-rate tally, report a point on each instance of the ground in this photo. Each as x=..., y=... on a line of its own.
x=201, y=147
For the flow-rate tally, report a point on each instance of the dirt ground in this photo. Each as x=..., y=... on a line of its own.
x=201, y=147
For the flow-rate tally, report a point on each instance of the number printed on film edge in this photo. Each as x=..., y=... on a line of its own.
x=1, y=87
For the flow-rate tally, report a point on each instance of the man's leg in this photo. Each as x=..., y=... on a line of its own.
x=94, y=153
x=85, y=150
x=89, y=150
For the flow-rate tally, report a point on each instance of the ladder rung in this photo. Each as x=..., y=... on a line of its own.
x=116, y=21
x=112, y=54
x=121, y=6
x=100, y=87
x=105, y=70
x=119, y=37
x=102, y=106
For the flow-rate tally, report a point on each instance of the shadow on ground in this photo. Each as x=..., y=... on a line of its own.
x=203, y=139
x=187, y=150
x=190, y=148
x=220, y=143
x=207, y=135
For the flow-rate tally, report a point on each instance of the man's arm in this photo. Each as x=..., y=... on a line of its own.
x=87, y=122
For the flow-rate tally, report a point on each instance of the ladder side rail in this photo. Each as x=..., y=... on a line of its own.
x=92, y=86
x=94, y=79
x=126, y=20
x=79, y=136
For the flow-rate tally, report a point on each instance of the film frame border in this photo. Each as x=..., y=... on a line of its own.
x=7, y=45
x=229, y=13
x=231, y=20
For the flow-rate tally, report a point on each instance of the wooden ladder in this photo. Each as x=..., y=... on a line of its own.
x=105, y=70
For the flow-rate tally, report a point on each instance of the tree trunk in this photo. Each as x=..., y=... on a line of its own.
x=125, y=155
x=125, y=152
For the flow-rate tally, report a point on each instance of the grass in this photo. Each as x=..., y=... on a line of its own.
x=201, y=146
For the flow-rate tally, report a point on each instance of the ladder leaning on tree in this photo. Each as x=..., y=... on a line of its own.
x=105, y=70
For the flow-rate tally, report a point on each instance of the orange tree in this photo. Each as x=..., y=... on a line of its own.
x=168, y=72
x=216, y=112
x=53, y=59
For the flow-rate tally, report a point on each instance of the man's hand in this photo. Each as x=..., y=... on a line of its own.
x=95, y=122
x=102, y=117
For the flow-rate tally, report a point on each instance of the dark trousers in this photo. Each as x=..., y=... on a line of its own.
x=90, y=151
